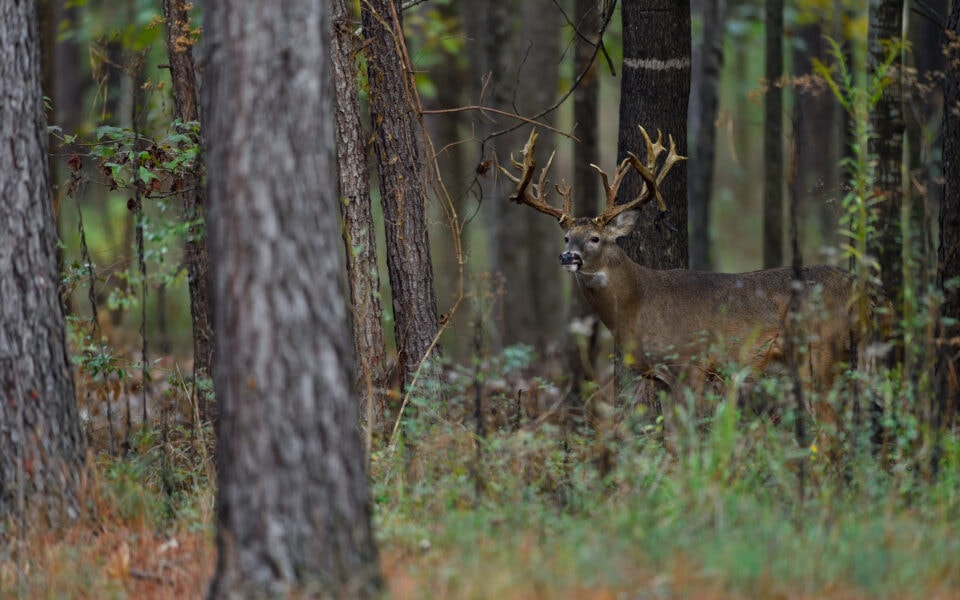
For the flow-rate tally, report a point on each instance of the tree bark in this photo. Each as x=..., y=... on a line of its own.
x=393, y=114
x=948, y=268
x=293, y=515
x=41, y=442
x=654, y=93
x=707, y=66
x=355, y=208
x=582, y=341
x=183, y=78
x=773, y=139
x=886, y=146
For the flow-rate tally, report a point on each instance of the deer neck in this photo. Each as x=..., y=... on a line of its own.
x=612, y=289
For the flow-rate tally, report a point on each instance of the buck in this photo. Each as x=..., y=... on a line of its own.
x=682, y=323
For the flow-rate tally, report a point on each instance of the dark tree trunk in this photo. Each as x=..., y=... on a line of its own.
x=816, y=162
x=654, y=93
x=772, y=139
x=293, y=515
x=707, y=65
x=949, y=255
x=399, y=165
x=41, y=443
x=886, y=146
x=183, y=77
x=355, y=208
x=582, y=347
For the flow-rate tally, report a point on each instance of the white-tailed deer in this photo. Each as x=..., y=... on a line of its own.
x=688, y=323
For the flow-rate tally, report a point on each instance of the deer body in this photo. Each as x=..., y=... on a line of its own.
x=682, y=322
x=668, y=322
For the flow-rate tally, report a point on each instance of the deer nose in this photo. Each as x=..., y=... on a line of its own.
x=570, y=258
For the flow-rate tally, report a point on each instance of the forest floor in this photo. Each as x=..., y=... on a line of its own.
x=532, y=509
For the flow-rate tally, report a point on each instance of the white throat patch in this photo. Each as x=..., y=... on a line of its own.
x=597, y=279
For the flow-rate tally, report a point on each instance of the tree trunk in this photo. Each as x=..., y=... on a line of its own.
x=358, y=229
x=293, y=515
x=582, y=346
x=886, y=146
x=707, y=66
x=949, y=255
x=183, y=77
x=41, y=443
x=654, y=93
x=772, y=139
x=393, y=114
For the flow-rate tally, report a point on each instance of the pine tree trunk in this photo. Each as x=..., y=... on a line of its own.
x=357, y=213
x=41, y=443
x=707, y=65
x=293, y=515
x=886, y=26
x=392, y=110
x=948, y=268
x=773, y=139
x=196, y=256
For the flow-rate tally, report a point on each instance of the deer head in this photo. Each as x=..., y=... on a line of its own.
x=589, y=241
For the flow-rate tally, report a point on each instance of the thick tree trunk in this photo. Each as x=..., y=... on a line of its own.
x=654, y=93
x=355, y=208
x=41, y=443
x=293, y=516
x=773, y=139
x=183, y=78
x=886, y=146
x=393, y=114
x=707, y=65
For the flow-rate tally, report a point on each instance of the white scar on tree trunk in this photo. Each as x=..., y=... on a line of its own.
x=657, y=64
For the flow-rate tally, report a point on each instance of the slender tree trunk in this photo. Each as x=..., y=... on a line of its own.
x=707, y=65
x=886, y=27
x=293, y=515
x=355, y=208
x=948, y=268
x=393, y=106
x=582, y=337
x=41, y=442
x=183, y=76
x=773, y=139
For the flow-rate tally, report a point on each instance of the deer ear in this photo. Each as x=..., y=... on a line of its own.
x=622, y=224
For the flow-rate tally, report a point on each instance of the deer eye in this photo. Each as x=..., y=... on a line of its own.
x=595, y=240
x=566, y=239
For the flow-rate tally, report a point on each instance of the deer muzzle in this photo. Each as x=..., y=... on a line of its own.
x=571, y=261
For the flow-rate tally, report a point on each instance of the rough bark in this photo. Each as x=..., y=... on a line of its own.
x=707, y=65
x=41, y=442
x=886, y=146
x=654, y=93
x=183, y=78
x=399, y=165
x=948, y=269
x=293, y=515
x=772, y=139
x=355, y=208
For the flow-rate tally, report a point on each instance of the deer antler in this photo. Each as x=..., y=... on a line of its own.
x=534, y=195
x=651, y=178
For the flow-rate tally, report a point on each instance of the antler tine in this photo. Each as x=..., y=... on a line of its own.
x=672, y=159
x=536, y=197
